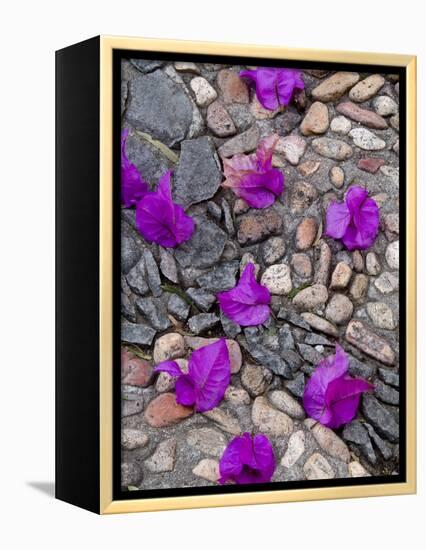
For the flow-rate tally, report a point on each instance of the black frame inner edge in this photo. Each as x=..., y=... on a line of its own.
x=118, y=494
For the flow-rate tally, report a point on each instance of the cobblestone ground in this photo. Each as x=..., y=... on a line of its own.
x=342, y=130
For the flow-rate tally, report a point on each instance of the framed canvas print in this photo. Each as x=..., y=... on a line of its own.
x=235, y=274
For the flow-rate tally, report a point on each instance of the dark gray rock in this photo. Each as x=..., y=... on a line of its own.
x=177, y=307
x=380, y=417
x=317, y=340
x=254, y=336
x=214, y=210
x=168, y=265
x=146, y=65
x=297, y=385
x=386, y=393
x=287, y=122
x=227, y=215
x=202, y=322
x=222, y=277
x=356, y=433
x=309, y=354
x=270, y=360
x=384, y=447
x=160, y=107
x=153, y=275
x=202, y=299
x=293, y=318
x=360, y=369
x=292, y=358
x=198, y=173
x=148, y=159
x=127, y=308
x=285, y=338
x=204, y=248
x=154, y=311
x=129, y=253
x=230, y=328
x=137, y=333
x=389, y=377
x=137, y=278
x=131, y=474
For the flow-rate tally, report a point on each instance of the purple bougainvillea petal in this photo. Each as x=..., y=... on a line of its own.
x=247, y=303
x=252, y=178
x=133, y=188
x=338, y=219
x=342, y=398
x=355, y=221
x=331, y=396
x=247, y=459
x=274, y=86
x=288, y=81
x=160, y=220
x=210, y=372
x=171, y=367
x=186, y=392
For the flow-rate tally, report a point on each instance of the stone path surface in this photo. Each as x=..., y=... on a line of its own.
x=342, y=130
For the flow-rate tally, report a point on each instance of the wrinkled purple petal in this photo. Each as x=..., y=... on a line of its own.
x=171, y=367
x=355, y=221
x=133, y=188
x=338, y=219
x=331, y=396
x=342, y=398
x=186, y=393
x=210, y=372
x=274, y=86
x=160, y=220
x=248, y=303
x=252, y=178
x=247, y=459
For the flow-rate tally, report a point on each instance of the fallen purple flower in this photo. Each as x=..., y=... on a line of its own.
x=274, y=86
x=355, y=221
x=209, y=373
x=331, y=396
x=247, y=303
x=133, y=187
x=247, y=459
x=252, y=178
x=160, y=220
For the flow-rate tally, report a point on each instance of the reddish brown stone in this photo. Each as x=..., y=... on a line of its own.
x=233, y=88
x=370, y=343
x=364, y=116
x=219, y=121
x=306, y=233
x=370, y=164
x=163, y=411
x=134, y=371
x=254, y=227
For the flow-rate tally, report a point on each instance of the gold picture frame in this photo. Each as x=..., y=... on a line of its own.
x=107, y=45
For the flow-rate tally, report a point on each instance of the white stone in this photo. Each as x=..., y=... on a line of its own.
x=364, y=139
x=207, y=440
x=292, y=147
x=277, y=279
x=392, y=255
x=340, y=125
x=328, y=440
x=270, y=421
x=357, y=470
x=387, y=282
x=372, y=263
x=385, y=105
x=132, y=439
x=169, y=346
x=381, y=315
x=163, y=459
x=204, y=92
x=207, y=469
x=295, y=449
x=287, y=404
x=237, y=396
x=317, y=467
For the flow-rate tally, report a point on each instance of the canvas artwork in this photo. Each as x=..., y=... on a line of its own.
x=259, y=211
